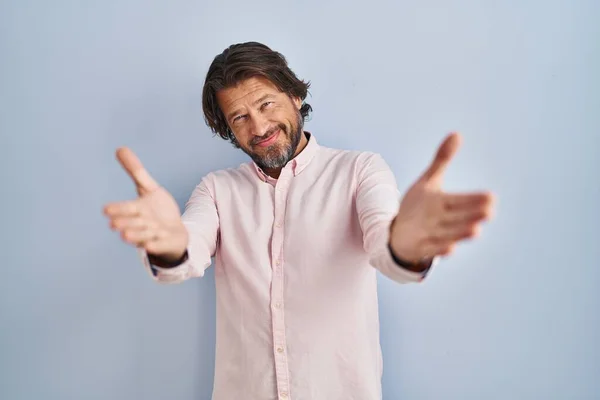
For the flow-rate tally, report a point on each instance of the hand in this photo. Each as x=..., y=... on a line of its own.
x=430, y=222
x=153, y=220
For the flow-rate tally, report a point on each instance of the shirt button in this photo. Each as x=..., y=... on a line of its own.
x=278, y=225
x=277, y=305
x=280, y=349
x=278, y=263
x=284, y=395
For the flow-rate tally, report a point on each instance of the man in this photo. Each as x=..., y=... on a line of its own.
x=297, y=234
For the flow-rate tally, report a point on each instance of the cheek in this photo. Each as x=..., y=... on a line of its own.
x=241, y=136
x=287, y=116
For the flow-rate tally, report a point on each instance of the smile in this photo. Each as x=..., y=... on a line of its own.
x=270, y=140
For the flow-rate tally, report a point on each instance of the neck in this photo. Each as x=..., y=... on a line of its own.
x=275, y=172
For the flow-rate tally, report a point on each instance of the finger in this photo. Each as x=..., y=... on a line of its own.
x=121, y=223
x=443, y=156
x=123, y=209
x=465, y=216
x=467, y=200
x=455, y=233
x=439, y=249
x=134, y=167
x=139, y=236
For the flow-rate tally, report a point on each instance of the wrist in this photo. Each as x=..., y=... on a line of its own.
x=404, y=258
x=412, y=265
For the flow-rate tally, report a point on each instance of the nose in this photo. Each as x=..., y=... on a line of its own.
x=260, y=124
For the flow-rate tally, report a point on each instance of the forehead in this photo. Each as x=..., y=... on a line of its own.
x=245, y=91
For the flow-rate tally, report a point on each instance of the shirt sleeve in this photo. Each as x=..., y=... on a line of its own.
x=377, y=203
x=201, y=219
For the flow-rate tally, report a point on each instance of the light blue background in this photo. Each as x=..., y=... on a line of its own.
x=514, y=315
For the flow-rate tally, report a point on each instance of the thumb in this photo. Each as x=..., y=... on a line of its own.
x=444, y=154
x=135, y=169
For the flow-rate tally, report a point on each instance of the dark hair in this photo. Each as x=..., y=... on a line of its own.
x=242, y=61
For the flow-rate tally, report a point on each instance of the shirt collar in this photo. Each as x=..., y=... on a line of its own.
x=299, y=162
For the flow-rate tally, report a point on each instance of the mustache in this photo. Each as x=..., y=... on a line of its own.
x=268, y=134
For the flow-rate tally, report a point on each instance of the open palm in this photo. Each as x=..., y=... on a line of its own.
x=430, y=222
x=153, y=220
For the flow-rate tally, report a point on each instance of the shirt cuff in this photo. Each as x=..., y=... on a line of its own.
x=383, y=261
x=409, y=266
x=162, y=274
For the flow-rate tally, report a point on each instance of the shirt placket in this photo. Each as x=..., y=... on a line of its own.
x=277, y=287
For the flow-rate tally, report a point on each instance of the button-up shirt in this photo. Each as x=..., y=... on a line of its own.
x=295, y=263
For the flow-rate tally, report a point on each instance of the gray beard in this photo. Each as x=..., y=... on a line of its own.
x=275, y=159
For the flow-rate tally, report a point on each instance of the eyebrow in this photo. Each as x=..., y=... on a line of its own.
x=237, y=111
x=263, y=98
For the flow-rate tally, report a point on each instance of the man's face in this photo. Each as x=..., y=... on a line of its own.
x=265, y=122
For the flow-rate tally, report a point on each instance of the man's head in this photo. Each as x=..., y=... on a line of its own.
x=252, y=98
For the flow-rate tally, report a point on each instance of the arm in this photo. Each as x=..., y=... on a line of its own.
x=377, y=203
x=427, y=223
x=201, y=220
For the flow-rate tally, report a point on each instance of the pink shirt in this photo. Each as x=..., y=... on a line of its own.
x=295, y=269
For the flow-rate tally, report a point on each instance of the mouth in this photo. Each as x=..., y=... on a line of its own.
x=270, y=140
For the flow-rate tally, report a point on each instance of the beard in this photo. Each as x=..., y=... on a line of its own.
x=277, y=155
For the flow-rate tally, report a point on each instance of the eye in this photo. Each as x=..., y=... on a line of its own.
x=239, y=118
x=266, y=104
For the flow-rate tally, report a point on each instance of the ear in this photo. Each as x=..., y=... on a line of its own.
x=297, y=102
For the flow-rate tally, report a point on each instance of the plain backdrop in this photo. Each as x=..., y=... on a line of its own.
x=512, y=315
